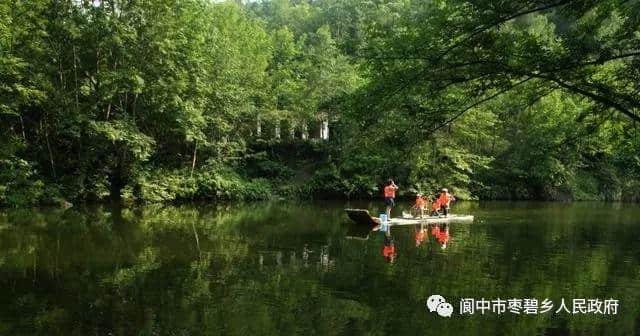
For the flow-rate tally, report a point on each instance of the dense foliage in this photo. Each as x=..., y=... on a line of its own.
x=160, y=100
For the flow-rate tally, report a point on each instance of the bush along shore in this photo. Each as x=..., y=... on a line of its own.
x=277, y=170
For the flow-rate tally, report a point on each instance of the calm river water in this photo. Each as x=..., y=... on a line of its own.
x=302, y=268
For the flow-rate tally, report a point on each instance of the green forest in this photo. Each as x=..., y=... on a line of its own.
x=171, y=100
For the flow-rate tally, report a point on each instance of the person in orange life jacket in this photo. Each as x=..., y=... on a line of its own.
x=421, y=204
x=389, y=247
x=445, y=200
x=389, y=195
x=435, y=207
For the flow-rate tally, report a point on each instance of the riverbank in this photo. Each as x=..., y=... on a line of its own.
x=179, y=188
x=293, y=170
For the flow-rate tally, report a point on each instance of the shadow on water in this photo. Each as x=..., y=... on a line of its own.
x=302, y=268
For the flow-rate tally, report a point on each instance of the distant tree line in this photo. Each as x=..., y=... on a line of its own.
x=160, y=100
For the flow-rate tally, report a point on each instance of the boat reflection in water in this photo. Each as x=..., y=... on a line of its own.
x=440, y=233
x=422, y=232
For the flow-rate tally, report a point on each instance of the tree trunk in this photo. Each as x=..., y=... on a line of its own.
x=75, y=75
x=292, y=131
x=63, y=86
x=24, y=135
x=46, y=136
x=193, y=163
x=116, y=186
x=116, y=183
x=133, y=108
x=258, y=127
x=277, y=130
x=96, y=86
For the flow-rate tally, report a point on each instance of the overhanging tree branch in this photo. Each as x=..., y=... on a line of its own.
x=411, y=79
x=496, y=23
x=478, y=103
x=598, y=98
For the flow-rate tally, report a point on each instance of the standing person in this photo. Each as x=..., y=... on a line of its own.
x=445, y=200
x=389, y=195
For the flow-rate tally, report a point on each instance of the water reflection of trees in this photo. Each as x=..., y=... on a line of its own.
x=284, y=269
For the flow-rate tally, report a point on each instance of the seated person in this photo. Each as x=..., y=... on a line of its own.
x=435, y=209
x=419, y=207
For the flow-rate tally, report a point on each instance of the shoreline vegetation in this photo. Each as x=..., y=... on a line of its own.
x=177, y=100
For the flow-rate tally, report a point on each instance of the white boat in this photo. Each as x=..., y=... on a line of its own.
x=430, y=219
x=362, y=216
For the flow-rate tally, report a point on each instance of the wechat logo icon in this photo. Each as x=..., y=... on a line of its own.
x=438, y=304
